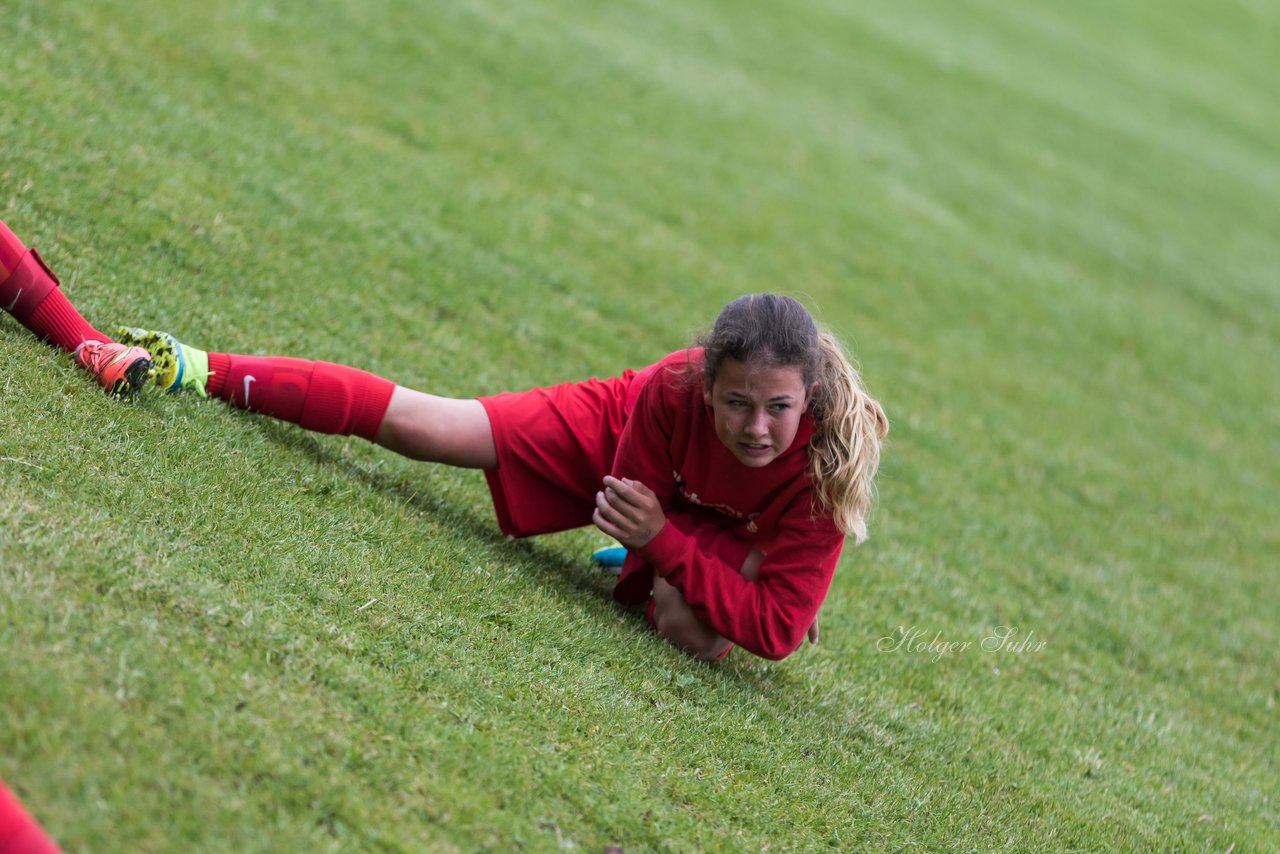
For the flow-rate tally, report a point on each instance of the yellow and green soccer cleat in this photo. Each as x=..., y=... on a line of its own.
x=121, y=368
x=177, y=365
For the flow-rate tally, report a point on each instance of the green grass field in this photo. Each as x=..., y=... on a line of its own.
x=1048, y=231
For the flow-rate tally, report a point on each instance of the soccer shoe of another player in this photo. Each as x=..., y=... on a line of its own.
x=122, y=369
x=177, y=365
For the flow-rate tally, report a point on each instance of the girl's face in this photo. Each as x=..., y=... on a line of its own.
x=757, y=410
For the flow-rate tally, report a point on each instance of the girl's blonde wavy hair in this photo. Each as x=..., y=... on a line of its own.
x=776, y=331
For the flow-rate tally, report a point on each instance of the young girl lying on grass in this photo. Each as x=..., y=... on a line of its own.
x=732, y=471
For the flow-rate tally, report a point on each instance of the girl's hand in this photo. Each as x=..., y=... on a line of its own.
x=628, y=511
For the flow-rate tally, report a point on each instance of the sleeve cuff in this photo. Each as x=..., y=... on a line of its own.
x=668, y=550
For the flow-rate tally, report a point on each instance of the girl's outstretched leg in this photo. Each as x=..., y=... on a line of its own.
x=329, y=398
x=319, y=396
x=439, y=430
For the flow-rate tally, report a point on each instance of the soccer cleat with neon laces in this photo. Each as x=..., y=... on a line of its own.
x=122, y=369
x=177, y=365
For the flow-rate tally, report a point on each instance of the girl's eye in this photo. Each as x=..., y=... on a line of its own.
x=737, y=404
x=780, y=407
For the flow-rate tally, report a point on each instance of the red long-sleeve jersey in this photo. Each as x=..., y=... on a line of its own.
x=718, y=510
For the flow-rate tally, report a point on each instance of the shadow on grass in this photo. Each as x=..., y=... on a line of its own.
x=558, y=574
x=564, y=579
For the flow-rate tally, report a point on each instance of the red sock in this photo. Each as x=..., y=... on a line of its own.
x=29, y=291
x=19, y=832
x=319, y=396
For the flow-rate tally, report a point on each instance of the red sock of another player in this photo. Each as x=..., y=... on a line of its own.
x=19, y=832
x=319, y=396
x=29, y=291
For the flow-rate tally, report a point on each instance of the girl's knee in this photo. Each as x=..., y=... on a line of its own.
x=670, y=612
x=678, y=625
x=705, y=645
x=666, y=597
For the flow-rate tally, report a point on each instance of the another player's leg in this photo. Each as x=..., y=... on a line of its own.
x=30, y=292
x=329, y=398
x=121, y=369
x=19, y=832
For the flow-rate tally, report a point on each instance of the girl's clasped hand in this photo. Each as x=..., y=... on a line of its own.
x=628, y=511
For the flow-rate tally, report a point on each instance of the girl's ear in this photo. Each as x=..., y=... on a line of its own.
x=813, y=393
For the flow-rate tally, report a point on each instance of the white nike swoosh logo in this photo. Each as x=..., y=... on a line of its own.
x=248, y=379
x=15, y=301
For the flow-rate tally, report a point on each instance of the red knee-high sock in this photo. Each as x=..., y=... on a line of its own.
x=320, y=396
x=29, y=291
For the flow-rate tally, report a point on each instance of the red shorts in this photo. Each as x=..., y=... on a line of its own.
x=555, y=445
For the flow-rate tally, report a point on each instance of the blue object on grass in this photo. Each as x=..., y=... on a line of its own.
x=611, y=557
